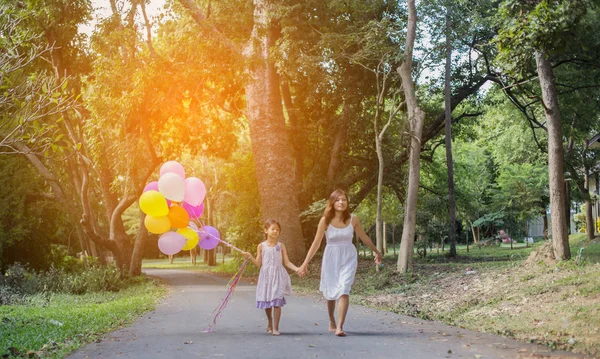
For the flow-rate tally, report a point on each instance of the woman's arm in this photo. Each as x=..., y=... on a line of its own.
x=286, y=260
x=314, y=247
x=366, y=239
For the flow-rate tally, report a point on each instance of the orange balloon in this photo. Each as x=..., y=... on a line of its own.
x=178, y=217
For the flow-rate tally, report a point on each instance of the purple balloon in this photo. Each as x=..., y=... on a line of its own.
x=209, y=237
x=151, y=186
x=171, y=243
x=194, y=212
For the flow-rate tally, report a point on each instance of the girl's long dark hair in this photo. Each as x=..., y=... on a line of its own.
x=269, y=223
x=330, y=211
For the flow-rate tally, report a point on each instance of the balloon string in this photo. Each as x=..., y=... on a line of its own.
x=199, y=223
x=233, y=282
x=225, y=243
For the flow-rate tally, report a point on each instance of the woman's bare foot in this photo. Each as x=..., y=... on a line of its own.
x=340, y=333
x=276, y=333
x=269, y=330
x=332, y=326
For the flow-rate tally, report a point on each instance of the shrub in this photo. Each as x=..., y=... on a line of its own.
x=70, y=277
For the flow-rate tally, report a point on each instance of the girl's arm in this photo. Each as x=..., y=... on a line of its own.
x=314, y=247
x=366, y=239
x=258, y=261
x=286, y=260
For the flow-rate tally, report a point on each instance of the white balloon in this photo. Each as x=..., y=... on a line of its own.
x=172, y=186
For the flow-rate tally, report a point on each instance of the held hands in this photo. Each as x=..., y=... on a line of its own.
x=302, y=271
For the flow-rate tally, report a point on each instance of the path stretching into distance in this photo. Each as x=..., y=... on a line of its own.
x=176, y=330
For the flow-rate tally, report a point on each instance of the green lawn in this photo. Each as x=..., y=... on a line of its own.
x=56, y=324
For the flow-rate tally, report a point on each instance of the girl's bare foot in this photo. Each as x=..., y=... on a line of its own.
x=269, y=330
x=340, y=333
x=332, y=326
x=276, y=333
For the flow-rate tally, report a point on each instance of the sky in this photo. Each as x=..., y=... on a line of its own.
x=102, y=10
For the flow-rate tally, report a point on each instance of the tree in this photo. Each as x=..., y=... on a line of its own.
x=383, y=70
x=416, y=118
x=448, y=115
x=540, y=28
x=30, y=92
x=268, y=133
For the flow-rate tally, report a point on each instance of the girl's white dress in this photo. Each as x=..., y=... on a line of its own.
x=273, y=281
x=340, y=260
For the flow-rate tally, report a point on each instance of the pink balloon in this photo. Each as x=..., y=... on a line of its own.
x=151, y=186
x=209, y=237
x=172, y=166
x=194, y=212
x=171, y=243
x=195, y=191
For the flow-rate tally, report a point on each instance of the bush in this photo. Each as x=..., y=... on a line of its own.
x=72, y=277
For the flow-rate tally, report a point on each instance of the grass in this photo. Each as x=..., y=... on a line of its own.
x=56, y=324
x=491, y=289
x=224, y=267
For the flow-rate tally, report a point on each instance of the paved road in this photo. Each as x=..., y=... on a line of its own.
x=176, y=330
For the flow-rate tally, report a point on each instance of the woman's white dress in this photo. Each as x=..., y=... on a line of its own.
x=340, y=260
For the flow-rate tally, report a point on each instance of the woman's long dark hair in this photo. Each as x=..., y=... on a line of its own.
x=330, y=211
x=269, y=223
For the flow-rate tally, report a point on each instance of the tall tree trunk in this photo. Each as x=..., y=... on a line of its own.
x=334, y=161
x=589, y=218
x=378, y=220
x=381, y=78
x=560, y=237
x=339, y=138
x=545, y=219
x=135, y=267
x=416, y=118
x=296, y=137
x=268, y=133
x=567, y=208
x=448, y=113
x=475, y=231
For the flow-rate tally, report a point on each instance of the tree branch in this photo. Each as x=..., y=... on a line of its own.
x=198, y=16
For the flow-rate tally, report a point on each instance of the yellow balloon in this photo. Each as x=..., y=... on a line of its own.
x=153, y=203
x=157, y=225
x=191, y=236
x=188, y=233
x=191, y=243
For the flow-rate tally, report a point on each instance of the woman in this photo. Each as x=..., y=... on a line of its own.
x=340, y=258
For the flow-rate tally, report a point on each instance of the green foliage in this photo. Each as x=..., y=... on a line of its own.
x=530, y=26
x=493, y=220
x=239, y=206
x=522, y=188
x=29, y=222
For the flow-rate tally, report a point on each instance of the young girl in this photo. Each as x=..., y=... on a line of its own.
x=273, y=281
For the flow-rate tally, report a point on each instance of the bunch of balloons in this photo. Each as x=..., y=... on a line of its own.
x=173, y=206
